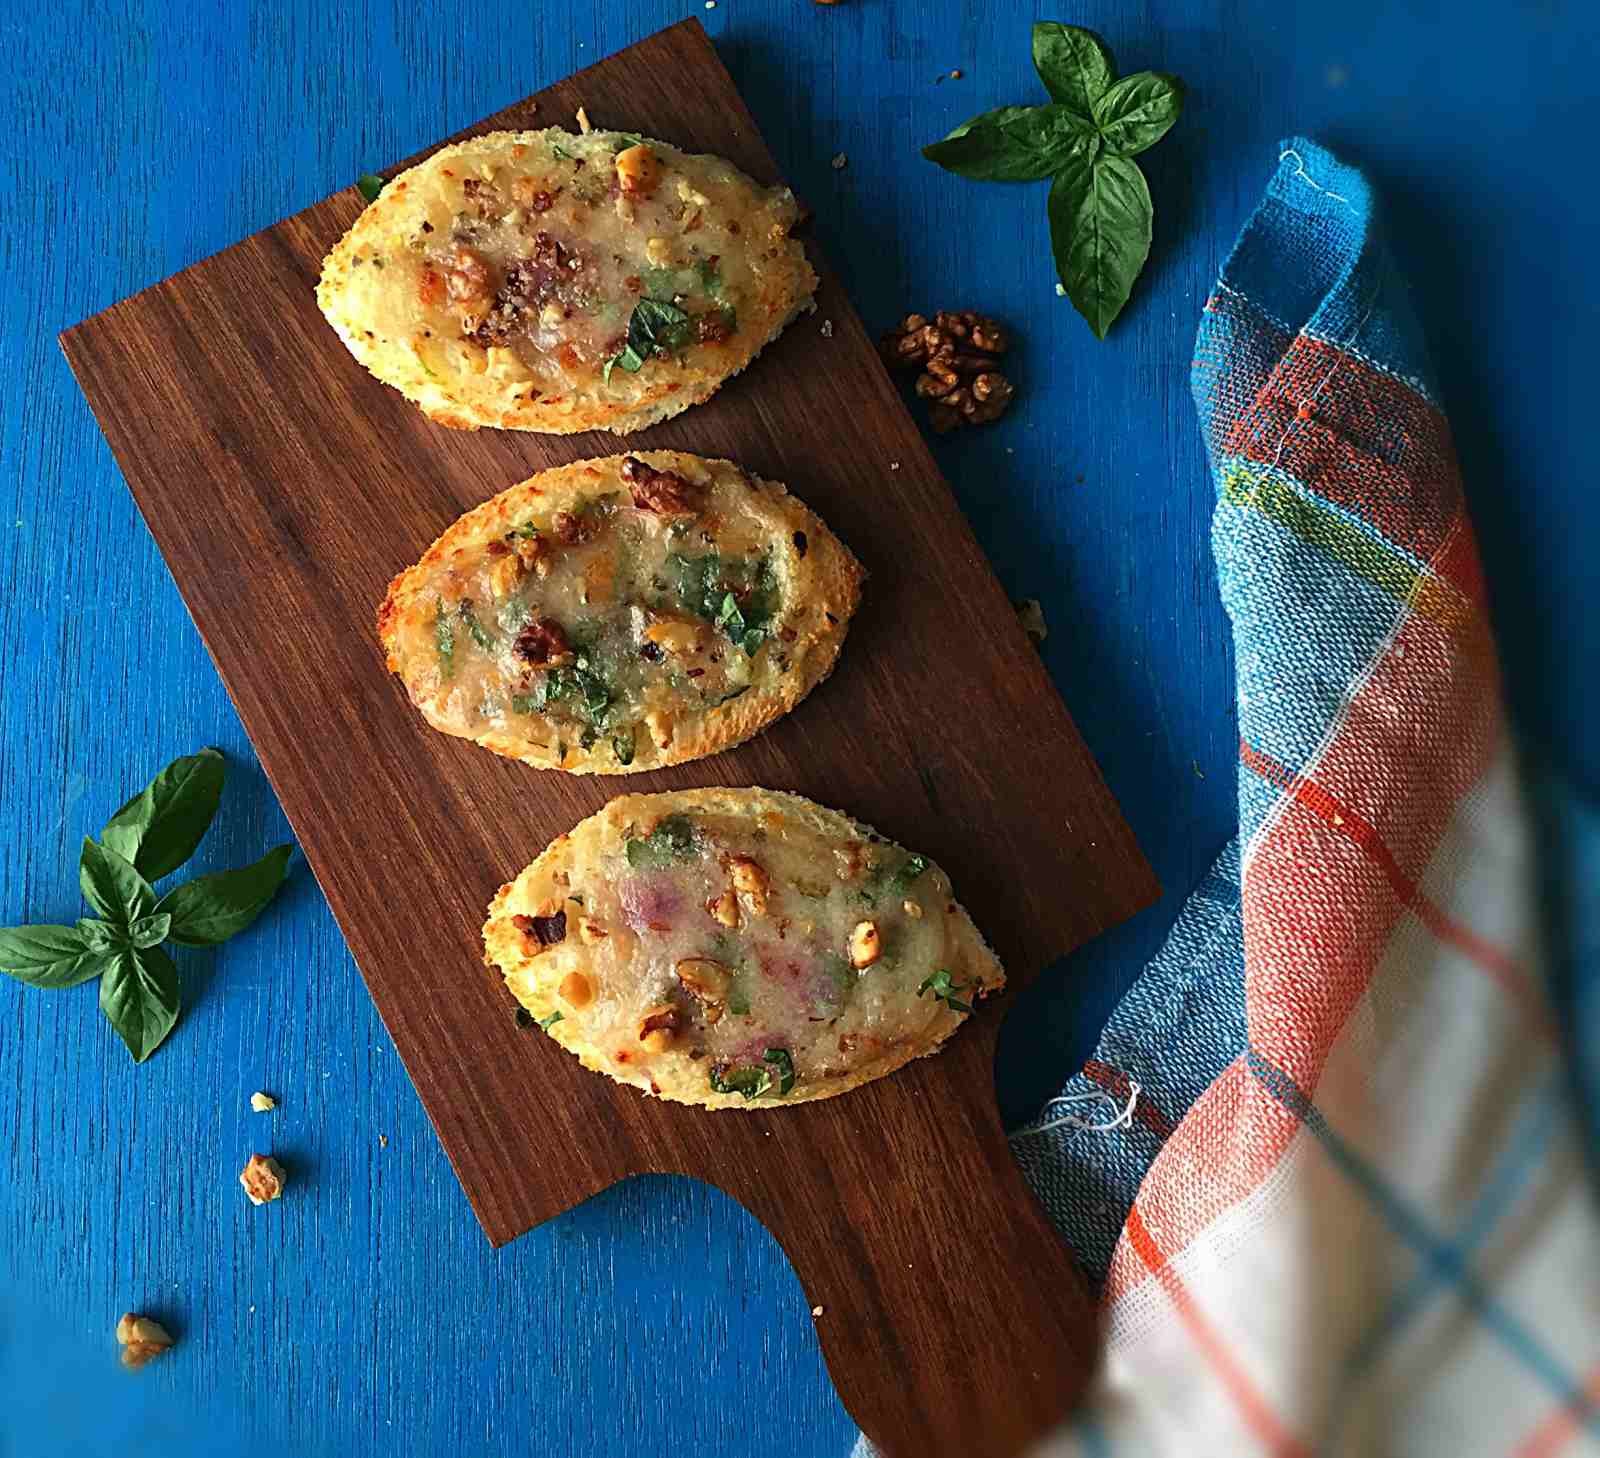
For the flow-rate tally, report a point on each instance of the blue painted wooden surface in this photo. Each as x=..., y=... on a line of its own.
x=365, y=1313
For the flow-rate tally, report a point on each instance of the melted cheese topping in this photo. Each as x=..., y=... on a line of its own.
x=722, y=957
x=564, y=258
x=618, y=619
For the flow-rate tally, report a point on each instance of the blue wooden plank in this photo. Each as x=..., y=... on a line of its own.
x=364, y=1313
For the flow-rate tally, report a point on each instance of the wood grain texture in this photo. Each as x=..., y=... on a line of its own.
x=149, y=134
x=285, y=487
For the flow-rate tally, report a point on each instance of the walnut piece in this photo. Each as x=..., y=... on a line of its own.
x=664, y=492
x=866, y=946
x=262, y=1178
x=141, y=1339
x=638, y=170
x=957, y=355
x=751, y=881
x=262, y=1102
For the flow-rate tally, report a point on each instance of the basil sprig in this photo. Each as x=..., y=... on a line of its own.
x=148, y=838
x=1084, y=139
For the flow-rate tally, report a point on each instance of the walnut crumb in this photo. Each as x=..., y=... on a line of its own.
x=262, y=1178
x=1030, y=612
x=262, y=1103
x=827, y=328
x=141, y=1340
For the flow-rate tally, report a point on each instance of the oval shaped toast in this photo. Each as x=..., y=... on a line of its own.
x=622, y=614
x=737, y=948
x=545, y=281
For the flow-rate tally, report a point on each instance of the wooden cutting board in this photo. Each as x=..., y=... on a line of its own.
x=285, y=487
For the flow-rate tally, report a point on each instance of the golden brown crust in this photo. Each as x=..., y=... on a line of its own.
x=573, y=861
x=417, y=348
x=822, y=586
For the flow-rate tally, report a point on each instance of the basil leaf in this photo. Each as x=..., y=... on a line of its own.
x=654, y=324
x=548, y=1022
x=1014, y=144
x=369, y=185
x=1137, y=112
x=210, y=909
x=1073, y=63
x=112, y=886
x=139, y=994
x=783, y=1061
x=1100, y=217
x=50, y=956
x=150, y=931
x=101, y=936
x=158, y=830
x=622, y=746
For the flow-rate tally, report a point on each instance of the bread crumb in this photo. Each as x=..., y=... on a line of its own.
x=1030, y=613
x=827, y=328
x=141, y=1340
x=383, y=1141
x=955, y=75
x=840, y=161
x=711, y=4
x=262, y=1178
x=894, y=465
x=1061, y=291
x=816, y=1311
x=584, y=124
x=262, y=1102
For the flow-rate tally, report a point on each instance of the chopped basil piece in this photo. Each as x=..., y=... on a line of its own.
x=710, y=272
x=739, y=996
x=555, y=1017
x=672, y=840
x=622, y=746
x=479, y=634
x=526, y=703
x=780, y=1059
x=369, y=185
x=655, y=324
x=561, y=151
x=444, y=638
x=749, y=1081
x=839, y=971
x=944, y=989
x=740, y=597
x=629, y=139
x=515, y=614
x=900, y=882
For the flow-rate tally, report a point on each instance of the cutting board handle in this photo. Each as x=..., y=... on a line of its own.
x=953, y=1317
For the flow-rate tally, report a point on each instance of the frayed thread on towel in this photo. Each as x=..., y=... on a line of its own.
x=1121, y=1119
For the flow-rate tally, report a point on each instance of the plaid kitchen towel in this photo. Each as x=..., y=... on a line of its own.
x=1326, y=1163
